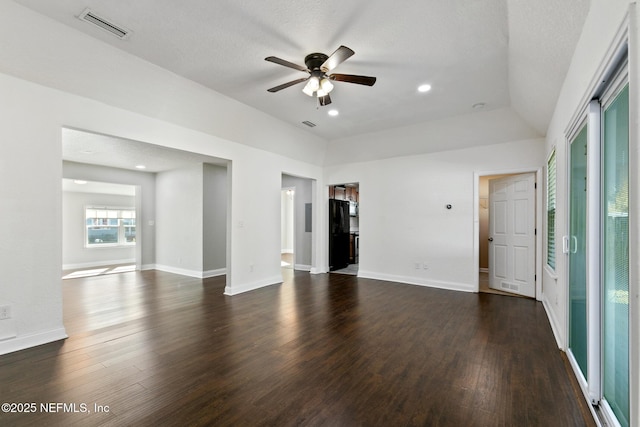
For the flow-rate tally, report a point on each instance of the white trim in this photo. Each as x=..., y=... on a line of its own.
x=191, y=273
x=607, y=413
x=32, y=340
x=538, y=222
x=302, y=267
x=550, y=272
x=315, y=270
x=553, y=321
x=452, y=286
x=616, y=51
x=593, y=245
x=634, y=215
x=583, y=386
x=214, y=273
x=238, y=289
x=98, y=264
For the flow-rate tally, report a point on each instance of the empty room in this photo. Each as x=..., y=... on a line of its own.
x=320, y=213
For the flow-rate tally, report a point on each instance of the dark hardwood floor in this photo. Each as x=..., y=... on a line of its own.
x=322, y=350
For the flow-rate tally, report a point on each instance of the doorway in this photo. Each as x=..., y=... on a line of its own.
x=296, y=222
x=514, y=262
x=344, y=228
x=287, y=228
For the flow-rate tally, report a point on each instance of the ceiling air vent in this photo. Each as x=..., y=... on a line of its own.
x=308, y=123
x=89, y=16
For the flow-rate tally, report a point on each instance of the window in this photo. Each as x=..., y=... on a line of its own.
x=551, y=211
x=110, y=227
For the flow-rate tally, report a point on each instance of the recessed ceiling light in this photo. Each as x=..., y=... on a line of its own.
x=80, y=181
x=424, y=88
x=141, y=167
x=333, y=112
x=478, y=106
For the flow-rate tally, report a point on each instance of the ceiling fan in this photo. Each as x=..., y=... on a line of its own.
x=318, y=81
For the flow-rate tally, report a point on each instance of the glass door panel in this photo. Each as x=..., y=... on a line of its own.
x=578, y=250
x=615, y=246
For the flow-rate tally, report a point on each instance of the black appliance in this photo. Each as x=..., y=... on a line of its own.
x=338, y=234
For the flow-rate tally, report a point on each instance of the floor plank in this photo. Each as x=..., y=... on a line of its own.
x=163, y=349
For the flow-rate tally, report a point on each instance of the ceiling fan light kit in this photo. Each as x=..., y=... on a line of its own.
x=319, y=82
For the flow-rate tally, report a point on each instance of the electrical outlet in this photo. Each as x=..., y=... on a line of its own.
x=5, y=312
x=425, y=266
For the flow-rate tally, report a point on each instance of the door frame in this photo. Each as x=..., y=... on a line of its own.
x=538, y=215
x=292, y=222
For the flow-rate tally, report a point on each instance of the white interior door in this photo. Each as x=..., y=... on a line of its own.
x=512, y=234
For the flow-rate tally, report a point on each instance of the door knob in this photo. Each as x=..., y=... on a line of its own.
x=490, y=239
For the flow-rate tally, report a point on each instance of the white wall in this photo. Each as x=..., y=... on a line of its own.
x=179, y=224
x=214, y=245
x=75, y=254
x=127, y=102
x=192, y=220
x=451, y=133
x=403, y=218
x=55, y=55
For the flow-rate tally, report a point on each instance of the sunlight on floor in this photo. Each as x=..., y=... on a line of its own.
x=99, y=271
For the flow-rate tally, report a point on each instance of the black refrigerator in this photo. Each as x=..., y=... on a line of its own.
x=338, y=234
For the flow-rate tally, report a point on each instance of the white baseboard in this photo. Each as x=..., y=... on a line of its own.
x=246, y=287
x=191, y=273
x=98, y=264
x=32, y=340
x=317, y=270
x=286, y=251
x=555, y=327
x=302, y=267
x=452, y=286
x=214, y=273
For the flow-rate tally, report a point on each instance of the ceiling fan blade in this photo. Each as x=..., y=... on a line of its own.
x=339, y=56
x=286, y=85
x=350, y=78
x=286, y=63
x=324, y=100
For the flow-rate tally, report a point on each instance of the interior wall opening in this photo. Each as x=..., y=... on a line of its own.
x=344, y=228
x=181, y=201
x=296, y=230
x=99, y=228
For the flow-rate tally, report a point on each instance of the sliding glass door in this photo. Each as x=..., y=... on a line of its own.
x=577, y=250
x=615, y=256
x=598, y=250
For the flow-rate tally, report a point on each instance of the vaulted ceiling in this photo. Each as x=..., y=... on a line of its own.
x=497, y=53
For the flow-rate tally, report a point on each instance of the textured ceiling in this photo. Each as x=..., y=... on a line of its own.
x=462, y=48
